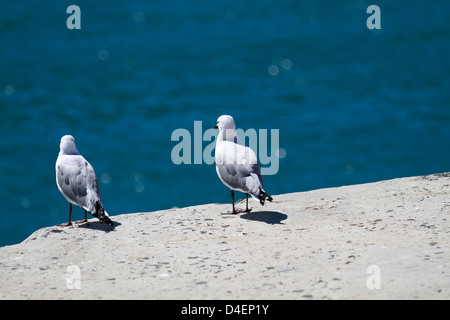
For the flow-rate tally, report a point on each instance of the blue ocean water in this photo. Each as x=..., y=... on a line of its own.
x=352, y=105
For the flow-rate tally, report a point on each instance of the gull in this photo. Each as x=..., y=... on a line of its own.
x=237, y=165
x=78, y=183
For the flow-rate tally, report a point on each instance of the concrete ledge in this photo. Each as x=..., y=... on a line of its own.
x=337, y=243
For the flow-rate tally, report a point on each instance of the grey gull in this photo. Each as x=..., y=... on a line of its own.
x=78, y=183
x=237, y=165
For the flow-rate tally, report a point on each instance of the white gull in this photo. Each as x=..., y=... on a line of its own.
x=237, y=165
x=77, y=182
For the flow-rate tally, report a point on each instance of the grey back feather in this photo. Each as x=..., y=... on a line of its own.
x=77, y=181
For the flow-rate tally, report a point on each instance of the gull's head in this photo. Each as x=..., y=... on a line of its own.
x=67, y=145
x=225, y=122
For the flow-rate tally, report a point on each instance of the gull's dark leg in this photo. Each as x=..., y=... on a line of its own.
x=85, y=218
x=246, y=204
x=232, y=199
x=70, y=217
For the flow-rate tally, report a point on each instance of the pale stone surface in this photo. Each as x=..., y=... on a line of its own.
x=309, y=245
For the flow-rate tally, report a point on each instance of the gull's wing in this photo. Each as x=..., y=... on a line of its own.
x=77, y=181
x=238, y=167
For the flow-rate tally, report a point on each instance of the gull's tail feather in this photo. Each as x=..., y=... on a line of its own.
x=102, y=215
x=263, y=196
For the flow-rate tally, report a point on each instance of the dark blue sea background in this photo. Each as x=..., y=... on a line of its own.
x=352, y=105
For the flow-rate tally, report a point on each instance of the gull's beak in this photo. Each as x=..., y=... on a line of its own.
x=216, y=127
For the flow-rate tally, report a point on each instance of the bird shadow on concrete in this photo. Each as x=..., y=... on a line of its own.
x=97, y=225
x=269, y=217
